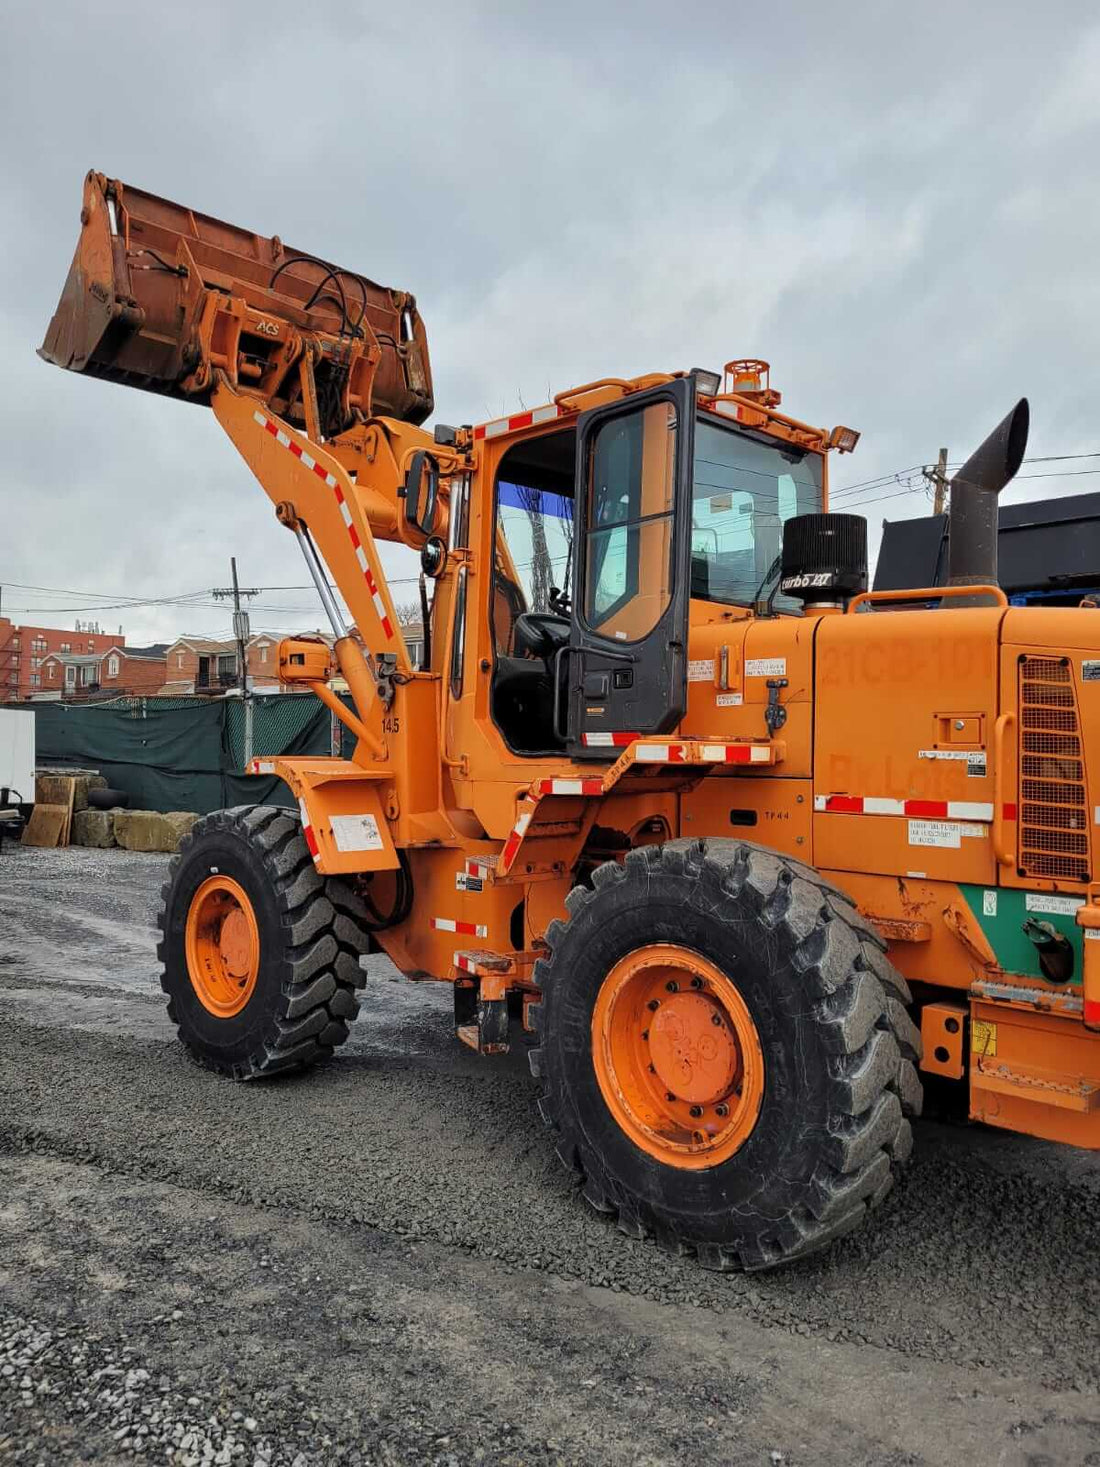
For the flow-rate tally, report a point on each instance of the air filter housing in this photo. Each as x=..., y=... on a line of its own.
x=824, y=557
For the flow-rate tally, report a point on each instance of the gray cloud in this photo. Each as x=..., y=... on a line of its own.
x=895, y=205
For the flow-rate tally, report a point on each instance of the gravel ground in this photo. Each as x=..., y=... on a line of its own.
x=382, y=1261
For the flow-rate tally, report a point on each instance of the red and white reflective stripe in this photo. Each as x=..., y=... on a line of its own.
x=514, y=841
x=261, y=766
x=296, y=448
x=570, y=787
x=914, y=809
x=345, y=512
x=466, y=963
x=479, y=865
x=498, y=426
x=660, y=754
x=467, y=929
x=736, y=753
x=732, y=410
x=307, y=831
x=608, y=740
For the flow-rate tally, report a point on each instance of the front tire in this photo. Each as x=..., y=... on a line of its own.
x=260, y=954
x=726, y=1057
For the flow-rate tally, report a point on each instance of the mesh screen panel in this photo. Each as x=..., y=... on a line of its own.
x=1054, y=832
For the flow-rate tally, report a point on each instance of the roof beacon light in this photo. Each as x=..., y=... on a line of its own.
x=751, y=377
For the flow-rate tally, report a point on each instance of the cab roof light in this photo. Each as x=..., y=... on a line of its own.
x=843, y=440
x=707, y=383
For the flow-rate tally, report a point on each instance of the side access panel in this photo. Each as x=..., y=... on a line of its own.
x=903, y=762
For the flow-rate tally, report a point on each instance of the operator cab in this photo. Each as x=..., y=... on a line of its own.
x=592, y=584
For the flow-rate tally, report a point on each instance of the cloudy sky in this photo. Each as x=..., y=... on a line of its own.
x=895, y=204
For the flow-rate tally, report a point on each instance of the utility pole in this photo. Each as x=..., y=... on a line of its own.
x=241, y=632
x=938, y=479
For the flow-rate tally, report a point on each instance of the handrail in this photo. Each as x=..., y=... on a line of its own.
x=1001, y=854
x=561, y=398
x=927, y=593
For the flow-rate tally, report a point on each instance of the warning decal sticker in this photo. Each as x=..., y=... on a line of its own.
x=356, y=833
x=983, y=1037
x=766, y=667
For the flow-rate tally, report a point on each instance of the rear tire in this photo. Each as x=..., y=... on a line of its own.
x=299, y=995
x=821, y=1008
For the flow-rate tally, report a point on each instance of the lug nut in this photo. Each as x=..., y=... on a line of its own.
x=645, y=1033
x=716, y=1019
x=673, y=987
x=653, y=1004
x=696, y=983
x=721, y=1110
x=696, y=1111
x=669, y=1095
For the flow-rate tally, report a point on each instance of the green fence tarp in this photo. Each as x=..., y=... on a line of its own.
x=185, y=756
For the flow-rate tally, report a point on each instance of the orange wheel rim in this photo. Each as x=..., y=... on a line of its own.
x=223, y=946
x=677, y=1056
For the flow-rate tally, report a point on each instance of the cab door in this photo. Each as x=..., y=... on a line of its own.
x=627, y=668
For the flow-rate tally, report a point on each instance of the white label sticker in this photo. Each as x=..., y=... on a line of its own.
x=701, y=671
x=935, y=833
x=729, y=700
x=356, y=833
x=974, y=759
x=1090, y=672
x=465, y=882
x=766, y=667
x=989, y=903
x=1092, y=934
x=265, y=766
x=975, y=832
x=1062, y=906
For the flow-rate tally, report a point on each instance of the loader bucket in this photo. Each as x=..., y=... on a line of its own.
x=137, y=308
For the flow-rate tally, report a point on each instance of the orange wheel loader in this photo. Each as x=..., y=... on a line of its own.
x=752, y=851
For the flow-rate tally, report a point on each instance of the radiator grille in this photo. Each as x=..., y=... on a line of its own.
x=1054, y=829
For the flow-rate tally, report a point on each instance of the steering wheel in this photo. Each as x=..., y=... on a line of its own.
x=540, y=634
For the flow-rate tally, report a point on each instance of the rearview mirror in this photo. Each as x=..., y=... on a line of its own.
x=421, y=492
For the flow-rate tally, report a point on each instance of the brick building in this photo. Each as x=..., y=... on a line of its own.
x=121, y=670
x=23, y=649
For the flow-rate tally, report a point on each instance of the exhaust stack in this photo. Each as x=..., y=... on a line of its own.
x=972, y=547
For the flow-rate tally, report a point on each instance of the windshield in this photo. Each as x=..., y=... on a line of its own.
x=743, y=491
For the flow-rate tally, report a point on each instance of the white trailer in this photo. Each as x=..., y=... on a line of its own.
x=17, y=760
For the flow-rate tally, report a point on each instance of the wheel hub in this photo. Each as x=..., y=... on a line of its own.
x=677, y=1056
x=222, y=943
x=692, y=1048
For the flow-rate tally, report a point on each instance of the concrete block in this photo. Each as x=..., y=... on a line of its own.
x=94, y=828
x=148, y=830
x=180, y=821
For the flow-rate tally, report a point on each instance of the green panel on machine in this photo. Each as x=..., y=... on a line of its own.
x=1001, y=914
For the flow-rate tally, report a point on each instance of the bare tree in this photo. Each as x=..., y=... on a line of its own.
x=541, y=567
x=408, y=612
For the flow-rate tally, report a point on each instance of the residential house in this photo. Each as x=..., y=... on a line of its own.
x=120, y=671
x=23, y=650
x=68, y=675
x=207, y=665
